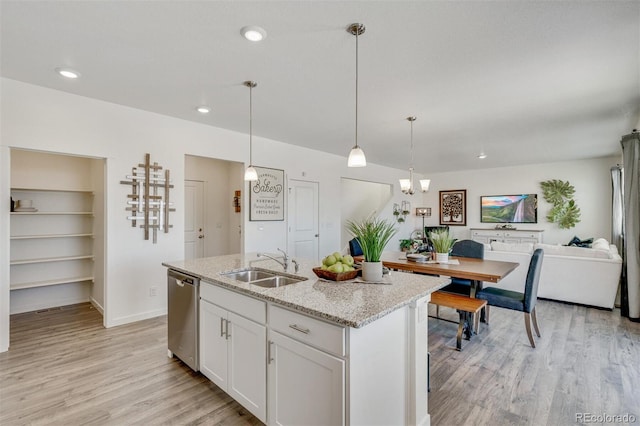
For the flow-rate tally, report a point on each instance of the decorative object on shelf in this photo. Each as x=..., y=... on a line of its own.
x=453, y=207
x=373, y=234
x=13, y=204
x=564, y=212
x=266, y=195
x=505, y=226
x=442, y=243
x=250, y=174
x=356, y=156
x=236, y=201
x=149, y=199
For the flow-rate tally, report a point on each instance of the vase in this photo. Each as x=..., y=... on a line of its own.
x=442, y=257
x=372, y=271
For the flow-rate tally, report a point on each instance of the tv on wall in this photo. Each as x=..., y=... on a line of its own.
x=509, y=208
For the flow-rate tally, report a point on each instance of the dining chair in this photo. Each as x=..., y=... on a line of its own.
x=523, y=302
x=354, y=247
x=463, y=248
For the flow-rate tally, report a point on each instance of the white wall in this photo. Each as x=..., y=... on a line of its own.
x=48, y=120
x=33, y=117
x=591, y=179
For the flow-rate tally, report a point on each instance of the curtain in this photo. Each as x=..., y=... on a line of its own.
x=617, y=232
x=631, y=192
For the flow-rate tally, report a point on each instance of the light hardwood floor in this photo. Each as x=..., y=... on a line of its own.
x=64, y=368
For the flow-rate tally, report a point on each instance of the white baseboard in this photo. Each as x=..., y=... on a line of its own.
x=46, y=305
x=137, y=317
x=96, y=305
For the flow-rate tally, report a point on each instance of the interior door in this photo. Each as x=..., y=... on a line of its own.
x=303, y=219
x=193, y=219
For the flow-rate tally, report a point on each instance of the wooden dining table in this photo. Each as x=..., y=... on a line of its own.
x=475, y=270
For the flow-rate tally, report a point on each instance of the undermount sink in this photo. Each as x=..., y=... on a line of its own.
x=277, y=281
x=248, y=276
x=262, y=278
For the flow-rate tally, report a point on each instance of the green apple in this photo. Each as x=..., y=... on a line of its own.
x=337, y=255
x=330, y=260
x=336, y=267
x=347, y=260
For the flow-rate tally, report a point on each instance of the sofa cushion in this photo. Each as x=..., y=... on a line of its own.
x=600, y=244
x=550, y=249
x=513, y=247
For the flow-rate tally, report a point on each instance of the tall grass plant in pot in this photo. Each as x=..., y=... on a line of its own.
x=373, y=234
x=442, y=243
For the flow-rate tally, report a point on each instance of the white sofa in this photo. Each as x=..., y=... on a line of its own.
x=588, y=276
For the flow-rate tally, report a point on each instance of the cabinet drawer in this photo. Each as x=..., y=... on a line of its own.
x=246, y=306
x=487, y=233
x=309, y=330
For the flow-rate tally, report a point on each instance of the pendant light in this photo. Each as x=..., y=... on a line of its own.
x=356, y=156
x=406, y=185
x=250, y=174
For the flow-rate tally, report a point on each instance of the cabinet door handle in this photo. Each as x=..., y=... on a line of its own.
x=269, y=358
x=296, y=327
x=226, y=329
x=221, y=327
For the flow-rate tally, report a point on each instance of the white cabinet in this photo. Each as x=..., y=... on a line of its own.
x=306, y=386
x=232, y=346
x=506, y=235
x=306, y=379
x=53, y=245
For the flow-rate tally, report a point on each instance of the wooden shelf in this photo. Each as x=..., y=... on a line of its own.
x=37, y=237
x=51, y=213
x=49, y=259
x=49, y=282
x=81, y=191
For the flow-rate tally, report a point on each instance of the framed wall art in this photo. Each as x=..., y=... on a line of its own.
x=453, y=207
x=266, y=195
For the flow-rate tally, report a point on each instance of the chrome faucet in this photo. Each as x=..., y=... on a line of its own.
x=295, y=262
x=284, y=262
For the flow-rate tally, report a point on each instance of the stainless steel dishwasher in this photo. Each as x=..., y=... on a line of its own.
x=182, y=317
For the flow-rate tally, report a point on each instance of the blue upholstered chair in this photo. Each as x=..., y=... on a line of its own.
x=354, y=247
x=464, y=248
x=523, y=302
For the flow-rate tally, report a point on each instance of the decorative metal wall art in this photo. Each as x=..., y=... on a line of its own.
x=453, y=207
x=148, y=201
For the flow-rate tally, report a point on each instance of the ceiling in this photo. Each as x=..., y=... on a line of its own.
x=524, y=81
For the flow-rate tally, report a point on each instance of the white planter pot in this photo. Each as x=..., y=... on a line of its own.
x=372, y=271
x=442, y=257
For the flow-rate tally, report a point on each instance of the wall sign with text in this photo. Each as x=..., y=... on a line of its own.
x=266, y=195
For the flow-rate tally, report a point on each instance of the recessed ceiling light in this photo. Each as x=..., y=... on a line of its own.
x=253, y=33
x=68, y=73
x=482, y=155
x=203, y=109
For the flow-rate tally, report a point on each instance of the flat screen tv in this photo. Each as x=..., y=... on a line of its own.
x=509, y=208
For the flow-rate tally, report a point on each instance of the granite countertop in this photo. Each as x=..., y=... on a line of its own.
x=350, y=304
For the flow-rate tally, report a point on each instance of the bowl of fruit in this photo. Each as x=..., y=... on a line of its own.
x=336, y=267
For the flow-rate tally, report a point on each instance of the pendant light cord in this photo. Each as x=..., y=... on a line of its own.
x=357, y=34
x=250, y=124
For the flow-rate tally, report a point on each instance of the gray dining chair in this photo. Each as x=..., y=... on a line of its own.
x=523, y=302
x=463, y=248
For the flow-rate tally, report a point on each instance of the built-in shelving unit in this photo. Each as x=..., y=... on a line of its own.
x=53, y=245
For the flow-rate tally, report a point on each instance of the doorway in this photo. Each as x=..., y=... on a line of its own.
x=303, y=219
x=213, y=223
x=193, y=219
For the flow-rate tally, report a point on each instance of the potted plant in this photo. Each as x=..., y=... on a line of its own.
x=442, y=243
x=373, y=234
x=406, y=245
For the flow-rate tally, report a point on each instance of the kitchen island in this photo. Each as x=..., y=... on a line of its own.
x=315, y=352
